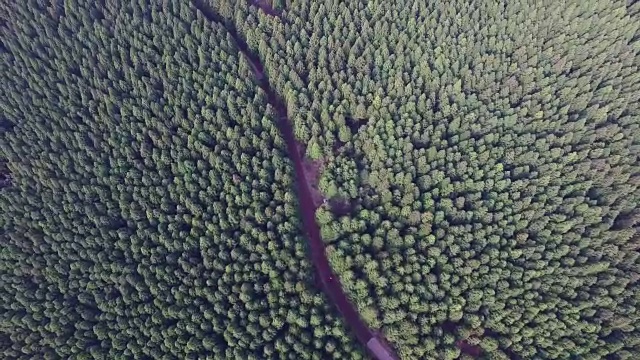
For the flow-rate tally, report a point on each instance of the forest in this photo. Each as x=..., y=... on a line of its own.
x=473, y=169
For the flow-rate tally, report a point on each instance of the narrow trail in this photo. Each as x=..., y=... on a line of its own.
x=329, y=282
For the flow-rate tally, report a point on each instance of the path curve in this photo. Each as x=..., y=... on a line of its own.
x=329, y=282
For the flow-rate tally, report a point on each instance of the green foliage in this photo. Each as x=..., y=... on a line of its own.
x=148, y=207
x=497, y=168
x=151, y=212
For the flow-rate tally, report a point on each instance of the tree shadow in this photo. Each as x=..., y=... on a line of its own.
x=5, y=175
x=340, y=206
x=6, y=125
x=267, y=7
x=355, y=124
x=464, y=345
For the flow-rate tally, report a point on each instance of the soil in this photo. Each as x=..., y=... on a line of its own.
x=325, y=277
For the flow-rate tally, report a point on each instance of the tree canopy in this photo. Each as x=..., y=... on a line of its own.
x=484, y=157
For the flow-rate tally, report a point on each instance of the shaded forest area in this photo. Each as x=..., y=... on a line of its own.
x=479, y=162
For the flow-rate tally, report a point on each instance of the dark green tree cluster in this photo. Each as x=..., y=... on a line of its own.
x=151, y=212
x=490, y=151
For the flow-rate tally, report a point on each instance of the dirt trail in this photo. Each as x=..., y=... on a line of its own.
x=326, y=278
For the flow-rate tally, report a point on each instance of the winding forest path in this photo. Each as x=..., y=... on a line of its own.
x=329, y=282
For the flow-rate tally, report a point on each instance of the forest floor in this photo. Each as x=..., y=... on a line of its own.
x=325, y=277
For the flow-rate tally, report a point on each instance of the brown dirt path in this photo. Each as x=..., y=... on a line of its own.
x=329, y=282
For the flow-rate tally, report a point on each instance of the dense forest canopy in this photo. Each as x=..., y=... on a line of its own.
x=151, y=212
x=480, y=162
